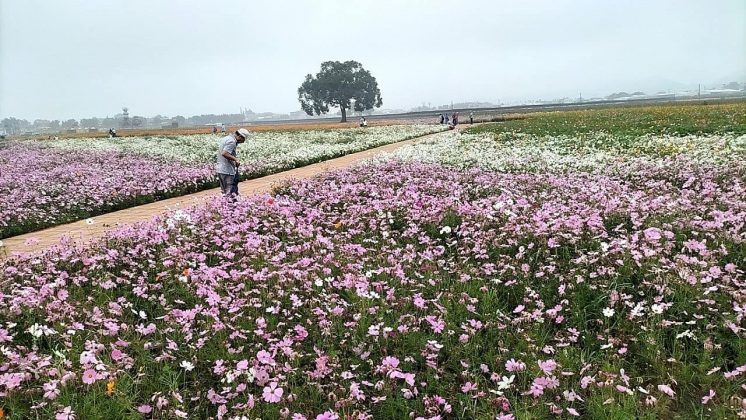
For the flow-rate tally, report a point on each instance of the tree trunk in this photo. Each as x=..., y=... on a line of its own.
x=344, y=114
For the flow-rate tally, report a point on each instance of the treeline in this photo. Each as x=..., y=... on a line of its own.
x=13, y=125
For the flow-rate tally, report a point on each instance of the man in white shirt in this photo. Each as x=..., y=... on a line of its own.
x=227, y=163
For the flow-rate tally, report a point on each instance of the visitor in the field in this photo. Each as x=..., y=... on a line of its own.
x=363, y=122
x=471, y=117
x=227, y=163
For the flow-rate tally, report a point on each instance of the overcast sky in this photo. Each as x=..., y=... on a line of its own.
x=83, y=58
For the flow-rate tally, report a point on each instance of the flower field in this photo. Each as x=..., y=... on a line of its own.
x=488, y=275
x=48, y=183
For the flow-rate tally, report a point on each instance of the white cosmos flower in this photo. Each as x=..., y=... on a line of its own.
x=228, y=378
x=188, y=366
x=687, y=334
x=608, y=312
x=35, y=331
x=505, y=382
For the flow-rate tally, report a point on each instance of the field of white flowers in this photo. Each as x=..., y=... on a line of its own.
x=509, y=152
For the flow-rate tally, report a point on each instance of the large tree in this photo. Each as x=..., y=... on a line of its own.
x=345, y=85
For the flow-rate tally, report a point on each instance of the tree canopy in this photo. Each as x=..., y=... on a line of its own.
x=346, y=85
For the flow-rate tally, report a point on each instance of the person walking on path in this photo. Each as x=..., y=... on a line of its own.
x=227, y=163
x=471, y=117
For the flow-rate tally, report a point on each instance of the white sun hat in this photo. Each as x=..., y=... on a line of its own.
x=243, y=133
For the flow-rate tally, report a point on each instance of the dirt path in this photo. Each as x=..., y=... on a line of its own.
x=83, y=231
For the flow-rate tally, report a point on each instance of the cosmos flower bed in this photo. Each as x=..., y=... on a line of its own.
x=400, y=290
x=42, y=186
x=267, y=151
x=48, y=183
x=595, y=153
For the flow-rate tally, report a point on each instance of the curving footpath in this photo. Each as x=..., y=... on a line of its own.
x=84, y=231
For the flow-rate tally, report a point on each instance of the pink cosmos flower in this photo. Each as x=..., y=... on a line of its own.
x=419, y=301
x=300, y=333
x=261, y=376
x=89, y=376
x=666, y=390
x=535, y=391
x=66, y=413
x=706, y=399
x=272, y=394
x=50, y=390
x=437, y=324
x=5, y=336
x=585, y=381
x=548, y=366
x=356, y=393
x=11, y=380
x=652, y=234
x=87, y=357
x=468, y=387
x=390, y=362
x=265, y=357
x=145, y=409
x=408, y=377
x=327, y=415
x=515, y=366
x=116, y=355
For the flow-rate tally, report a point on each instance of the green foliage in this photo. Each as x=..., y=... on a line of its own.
x=678, y=119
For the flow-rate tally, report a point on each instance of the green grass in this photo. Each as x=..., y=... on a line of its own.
x=677, y=119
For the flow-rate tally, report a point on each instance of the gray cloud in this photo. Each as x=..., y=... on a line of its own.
x=80, y=58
